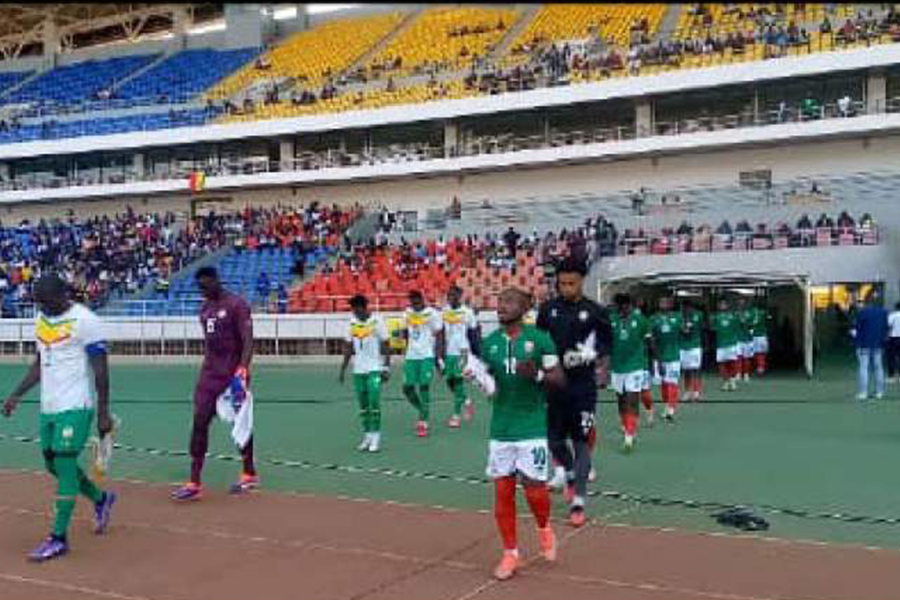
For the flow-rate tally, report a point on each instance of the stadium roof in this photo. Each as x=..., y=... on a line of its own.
x=22, y=26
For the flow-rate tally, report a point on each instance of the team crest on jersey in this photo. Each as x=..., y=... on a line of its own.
x=493, y=349
x=529, y=346
x=361, y=330
x=583, y=316
x=553, y=313
x=417, y=319
x=53, y=334
x=67, y=432
x=221, y=314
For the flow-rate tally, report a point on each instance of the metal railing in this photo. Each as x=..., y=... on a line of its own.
x=334, y=158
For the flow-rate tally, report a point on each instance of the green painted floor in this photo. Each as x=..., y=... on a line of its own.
x=779, y=443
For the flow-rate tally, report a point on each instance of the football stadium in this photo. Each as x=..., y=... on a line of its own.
x=449, y=301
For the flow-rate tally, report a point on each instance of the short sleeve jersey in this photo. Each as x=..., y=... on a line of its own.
x=366, y=338
x=222, y=321
x=422, y=327
x=692, y=335
x=457, y=323
x=64, y=344
x=667, y=334
x=629, y=346
x=519, y=405
x=727, y=329
x=573, y=323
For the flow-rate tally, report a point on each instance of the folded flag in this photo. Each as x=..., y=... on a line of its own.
x=235, y=406
x=102, y=450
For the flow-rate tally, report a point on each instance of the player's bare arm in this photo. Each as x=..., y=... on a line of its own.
x=31, y=379
x=100, y=365
x=348, y=354
x=386, y=353
x=246, y=334
x=440, y=350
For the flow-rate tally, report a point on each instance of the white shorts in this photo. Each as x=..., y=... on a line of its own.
x=531, y=458
x=726, y=354
x=657, y=373
x=627, y=383
x=746, y=349
x=670, y=371
x=692, y=359
x=761, y=344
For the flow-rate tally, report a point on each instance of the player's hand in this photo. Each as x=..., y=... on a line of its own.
x=243, y=374
x=527, y=370
x=9, y=407
x=104, y=424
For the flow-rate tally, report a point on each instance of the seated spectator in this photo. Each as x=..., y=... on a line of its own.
x=845, y=220
x=866, y=221
x=744, y=227
x=685, y=228
x=804, y=223
x=824, y=221
x=724, y=228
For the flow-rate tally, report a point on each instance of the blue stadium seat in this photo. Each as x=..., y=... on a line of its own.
x=185, y=74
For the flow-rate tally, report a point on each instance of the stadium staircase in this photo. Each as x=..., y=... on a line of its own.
x=401, y=28
x=669, y=22
x=513, y=33
x=159, y=59
x=20, y=84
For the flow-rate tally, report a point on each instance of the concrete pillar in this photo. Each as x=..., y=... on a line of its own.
x=181, y=23
x=643, y=117
x=137, y=163
x=451, y=138
x=876, y=92
x=244, y=25
x=50, y=39
x=286, y=154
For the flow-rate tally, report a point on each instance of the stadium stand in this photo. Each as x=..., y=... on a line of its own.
x=79, y=82
x=387, y=272
x=181, y=76
x=108, y=257
x=312, y=56
x=268, y=243
x=444, y=39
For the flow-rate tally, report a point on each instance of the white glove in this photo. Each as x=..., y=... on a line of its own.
x=476, y=371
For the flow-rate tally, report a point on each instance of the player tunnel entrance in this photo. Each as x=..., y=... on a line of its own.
x=785, y=297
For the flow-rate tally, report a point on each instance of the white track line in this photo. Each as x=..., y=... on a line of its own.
x=66, y=587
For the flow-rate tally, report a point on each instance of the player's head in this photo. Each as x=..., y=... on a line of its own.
x=51, y=294
x=570, y=275
x=208, y=281
x=512, y=305
x=416, y=300
x=623, y=303
x=359, y=304
x=454, y=296
x=666, y=303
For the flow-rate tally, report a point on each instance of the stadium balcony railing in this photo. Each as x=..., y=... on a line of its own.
x=334, y=158
x=658, y=243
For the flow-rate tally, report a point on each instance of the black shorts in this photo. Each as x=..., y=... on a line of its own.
x=571, y=414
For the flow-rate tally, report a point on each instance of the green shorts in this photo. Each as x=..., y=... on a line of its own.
x=367, y=384
x=453, y=366
x=66, y=432
x=418, y=372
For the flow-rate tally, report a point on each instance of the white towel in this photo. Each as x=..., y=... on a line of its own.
x=242, y=422
x=476, y=371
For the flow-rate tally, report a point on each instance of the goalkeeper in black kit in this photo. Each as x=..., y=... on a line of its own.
x=581, y=331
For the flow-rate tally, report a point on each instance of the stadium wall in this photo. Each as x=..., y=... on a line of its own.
x=659, y=173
